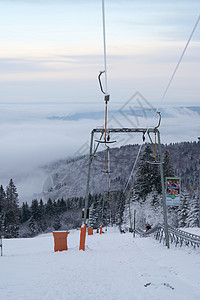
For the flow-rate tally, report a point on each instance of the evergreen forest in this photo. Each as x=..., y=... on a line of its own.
x=143, y=194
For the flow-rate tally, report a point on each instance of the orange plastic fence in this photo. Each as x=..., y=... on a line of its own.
x=90, y=231
x=101, y=227
x=60, y=240
x=82, y=238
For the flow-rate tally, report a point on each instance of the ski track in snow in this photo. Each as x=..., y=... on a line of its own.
x=114, y=266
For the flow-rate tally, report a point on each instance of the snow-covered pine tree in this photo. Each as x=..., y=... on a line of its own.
x=49, y=207
x=55, y=208
x=193, y=214
x=173, y=216
x=2, y=199
x=149, y=175
x=12, y=200
x=95, y=218
x=42, y=223
x=62, y=205
x=35, y=212
x=183, y=208
x=41, y=208
x=2, y=203
x=25, y=212
x=168, y=170
x=119, y=207
x=57, y=223
x=12, y=212
x=32, y=226
x=152, y=209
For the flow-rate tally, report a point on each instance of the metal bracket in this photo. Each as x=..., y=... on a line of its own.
x=100, y=84
x=159, y=121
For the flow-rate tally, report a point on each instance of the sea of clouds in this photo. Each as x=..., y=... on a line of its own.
x=34, y=135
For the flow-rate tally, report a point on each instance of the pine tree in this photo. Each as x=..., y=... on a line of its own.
x=12, y=200
x=95, y=219
x=43, y=223
x=193, y=214
x=2, y=199
x=32, y=226
x=12, y=212
x=49, y=207
x=183, y=209
x=167, y=167
x=62, y=205
x=2, y=222
x=173, y=216
x=25, y=212
x=11, y=224
x=57, y=223
x=55, y=208
x=119, y=207
x=68, y=204
x=41, y=208
x=35, y=212
x=155, y=198
x=149, y=175
x=80, y=202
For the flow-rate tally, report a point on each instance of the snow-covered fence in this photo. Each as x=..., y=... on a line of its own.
x=177, y=236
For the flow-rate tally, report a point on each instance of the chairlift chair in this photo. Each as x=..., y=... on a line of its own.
x=156, y=162
x=106, y=99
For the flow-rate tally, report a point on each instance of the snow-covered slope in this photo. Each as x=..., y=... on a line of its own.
x=67, y=178
x=114, y=266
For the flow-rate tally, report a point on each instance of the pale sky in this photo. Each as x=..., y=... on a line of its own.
x=51, y=53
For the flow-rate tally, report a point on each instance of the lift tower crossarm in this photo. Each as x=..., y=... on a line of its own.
x=124, y=130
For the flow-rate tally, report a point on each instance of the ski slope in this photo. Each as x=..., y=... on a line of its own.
x=114, y=266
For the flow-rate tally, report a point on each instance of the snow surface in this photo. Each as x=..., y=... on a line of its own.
x=114, y=266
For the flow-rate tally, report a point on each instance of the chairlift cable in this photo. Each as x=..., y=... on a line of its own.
x=140, y=148
x=105, y=89
x=179, y=61
x=165, y=92
x=104, y=46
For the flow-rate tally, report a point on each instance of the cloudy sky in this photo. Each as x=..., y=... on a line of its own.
x=49, y=48
x=51, y=54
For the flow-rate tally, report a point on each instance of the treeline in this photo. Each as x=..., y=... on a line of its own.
x=37, y=210
x=144, y=191
x=29, y=220
x=40, y=217
x=32, y=219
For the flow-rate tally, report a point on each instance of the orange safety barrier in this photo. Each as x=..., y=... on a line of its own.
x=60, y=240
x=82, y=238
x=101, y=227
x=90, y=231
